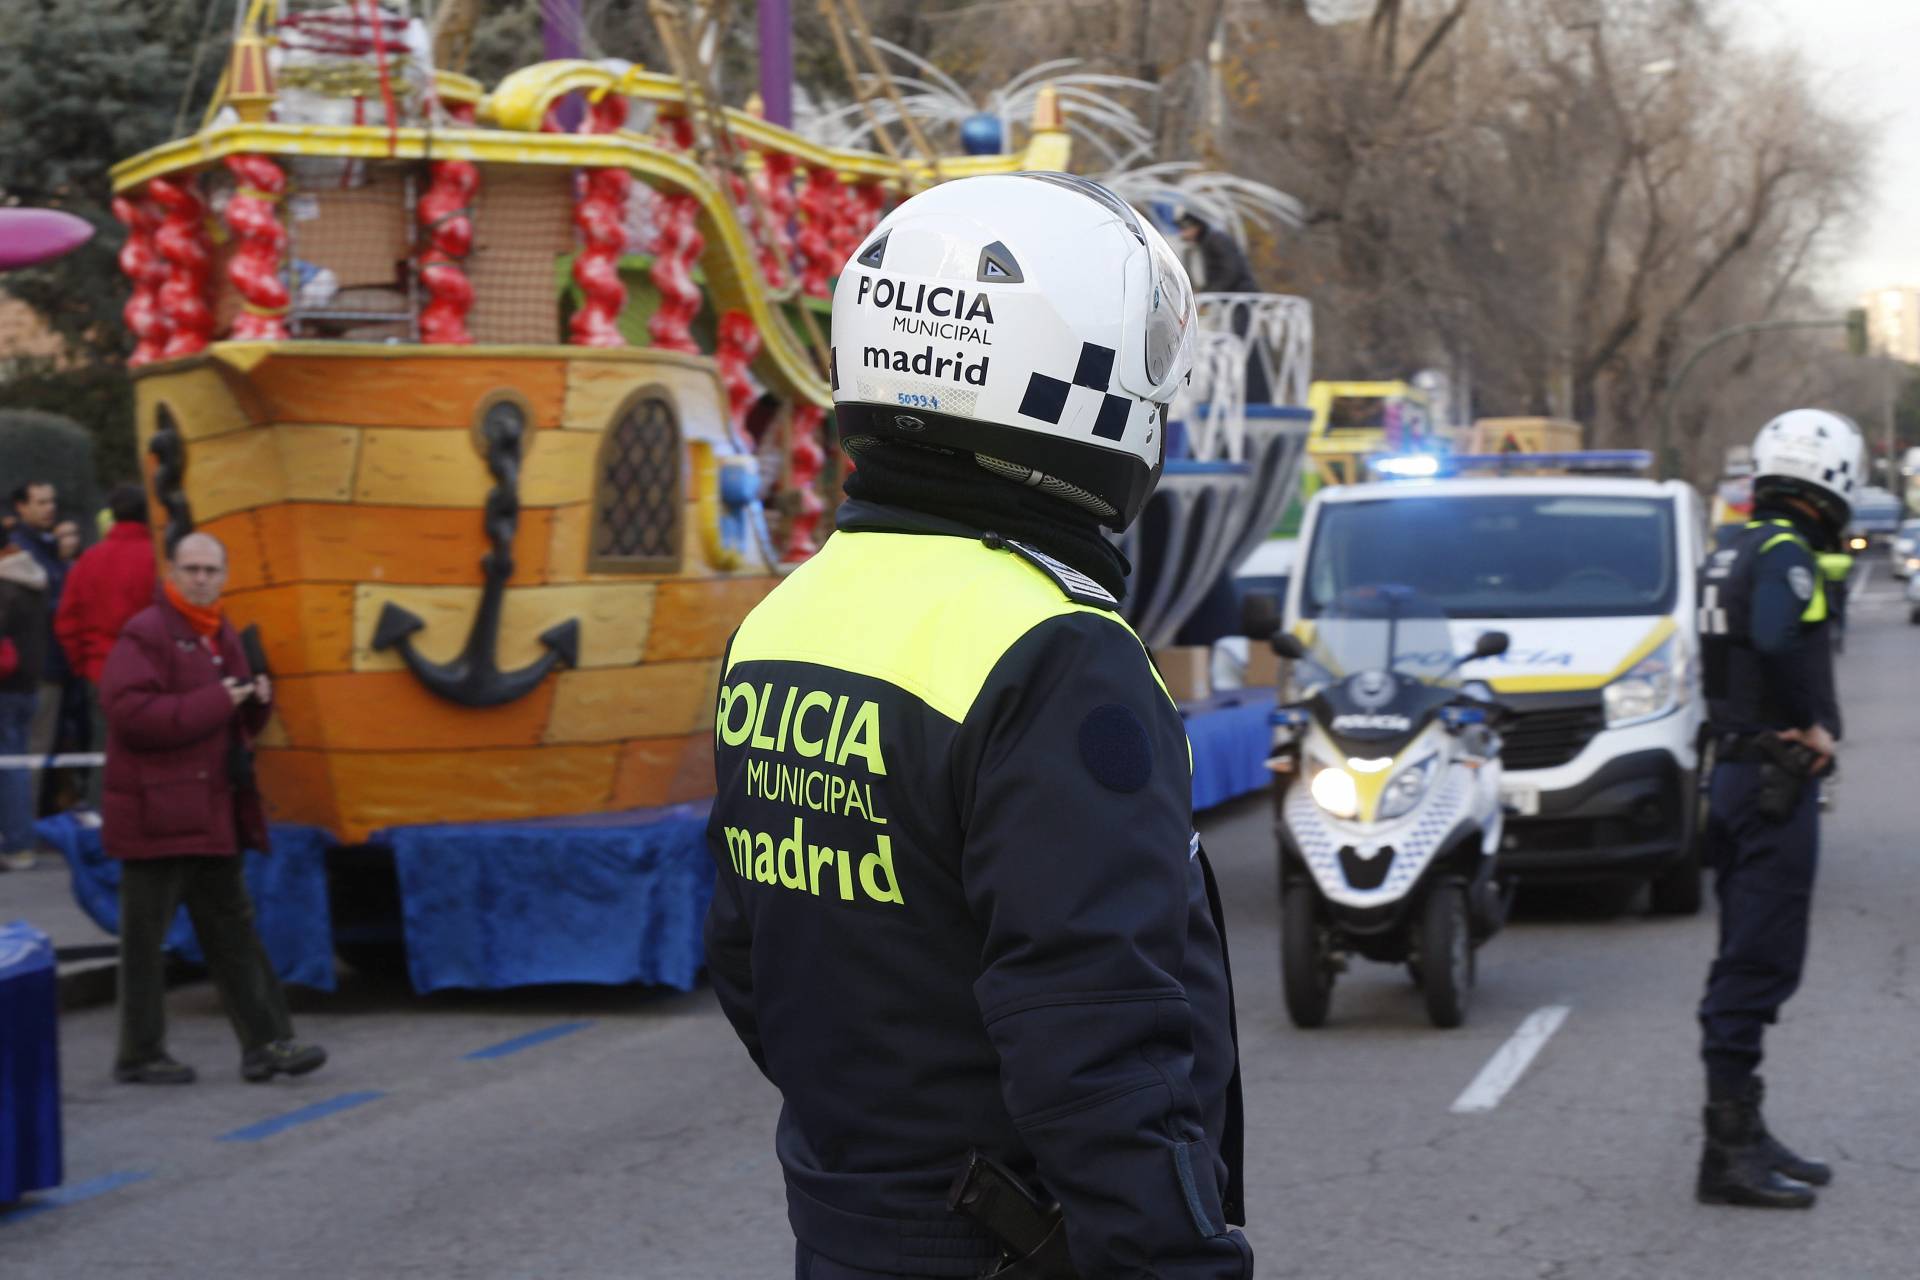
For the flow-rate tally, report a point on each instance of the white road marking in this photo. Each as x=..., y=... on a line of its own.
x=1505, y=1068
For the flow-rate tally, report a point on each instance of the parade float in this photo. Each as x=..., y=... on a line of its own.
x=508, y=404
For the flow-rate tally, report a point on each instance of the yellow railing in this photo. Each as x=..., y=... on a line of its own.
x=509, y=132
x=521, y=101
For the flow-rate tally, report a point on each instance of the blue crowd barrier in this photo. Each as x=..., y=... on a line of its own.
x=1231, y=741
x=30, y=1150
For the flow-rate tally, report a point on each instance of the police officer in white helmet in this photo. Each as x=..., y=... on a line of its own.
x=962, y=920
x=1773, y=720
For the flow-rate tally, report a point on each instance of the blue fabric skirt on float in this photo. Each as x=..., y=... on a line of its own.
x=608, y=898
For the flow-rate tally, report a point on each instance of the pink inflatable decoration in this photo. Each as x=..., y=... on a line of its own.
x=28, y=236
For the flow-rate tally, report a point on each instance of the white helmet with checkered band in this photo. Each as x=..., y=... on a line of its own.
x=1810, y=454
x=1032, y=320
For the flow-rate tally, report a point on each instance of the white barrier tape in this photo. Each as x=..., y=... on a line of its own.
x=70, y=760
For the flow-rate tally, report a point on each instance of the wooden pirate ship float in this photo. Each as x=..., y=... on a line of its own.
x=508, y=404
x=479, y=388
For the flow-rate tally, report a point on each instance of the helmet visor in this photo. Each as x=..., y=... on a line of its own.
x=1165, y=307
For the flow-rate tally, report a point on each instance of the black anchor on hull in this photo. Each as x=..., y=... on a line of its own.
x=474, y=678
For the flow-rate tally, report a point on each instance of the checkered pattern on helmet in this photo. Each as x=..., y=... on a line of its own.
x=1046, y=397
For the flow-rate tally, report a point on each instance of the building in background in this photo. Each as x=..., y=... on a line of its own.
x=1893, y=322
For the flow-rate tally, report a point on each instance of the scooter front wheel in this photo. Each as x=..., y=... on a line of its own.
x=1446, y=954
x=1305, y=972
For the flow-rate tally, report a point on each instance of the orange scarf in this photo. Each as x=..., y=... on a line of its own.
x=205, y=620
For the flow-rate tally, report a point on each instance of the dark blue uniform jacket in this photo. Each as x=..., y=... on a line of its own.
x=961, y=905
x=1767, y=661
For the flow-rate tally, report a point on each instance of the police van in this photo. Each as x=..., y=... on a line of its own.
x=1590, y=572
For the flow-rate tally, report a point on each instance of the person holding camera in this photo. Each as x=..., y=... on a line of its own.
x=182, y=706
x=1767, y=667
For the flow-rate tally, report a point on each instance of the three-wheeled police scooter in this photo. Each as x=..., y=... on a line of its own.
x=1389, y=804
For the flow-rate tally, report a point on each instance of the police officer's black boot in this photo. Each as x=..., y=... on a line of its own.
x=1816, y=1173
x=1735, y=1165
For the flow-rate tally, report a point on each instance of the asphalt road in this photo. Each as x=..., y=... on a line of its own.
x=616, y=1134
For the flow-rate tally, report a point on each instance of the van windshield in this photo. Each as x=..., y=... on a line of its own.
x=1538, y=555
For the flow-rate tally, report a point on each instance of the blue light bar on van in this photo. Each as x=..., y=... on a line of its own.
x=1422, y=466
x=1407, y=466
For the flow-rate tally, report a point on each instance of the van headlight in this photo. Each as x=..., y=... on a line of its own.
x=1333, y=789
x=1408, y=788
x=1650, y=689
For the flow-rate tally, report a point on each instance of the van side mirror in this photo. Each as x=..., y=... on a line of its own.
x=1259, y=615
x=1288, y=646
x=1491, y=644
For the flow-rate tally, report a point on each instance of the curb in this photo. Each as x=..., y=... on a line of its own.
x=87, y=984
x=88, y=980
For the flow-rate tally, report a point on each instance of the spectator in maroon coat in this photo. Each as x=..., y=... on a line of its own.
x=181, y=805
x=110, y=582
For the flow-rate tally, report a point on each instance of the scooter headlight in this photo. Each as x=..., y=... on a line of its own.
x=1333, y=789
x=1408, y=788
x=1652, y=688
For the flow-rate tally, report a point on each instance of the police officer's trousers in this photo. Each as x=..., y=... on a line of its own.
x=808, y=1265
x=1763, y=876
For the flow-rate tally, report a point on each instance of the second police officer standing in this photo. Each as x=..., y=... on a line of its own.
x=1774, y=717
x=963, y=922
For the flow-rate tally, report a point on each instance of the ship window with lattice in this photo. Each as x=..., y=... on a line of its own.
x=637, y=500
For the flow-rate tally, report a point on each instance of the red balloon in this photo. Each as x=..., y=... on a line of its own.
x=28, y=236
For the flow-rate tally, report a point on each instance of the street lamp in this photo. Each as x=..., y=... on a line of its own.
x=1854, y=322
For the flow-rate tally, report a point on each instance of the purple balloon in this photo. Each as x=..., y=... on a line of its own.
x=28, y=236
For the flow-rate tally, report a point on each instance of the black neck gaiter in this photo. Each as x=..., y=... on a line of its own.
x=954, y=487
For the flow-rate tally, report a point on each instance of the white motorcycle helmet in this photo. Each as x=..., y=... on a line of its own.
x=1032, y=320
x=1813, y=455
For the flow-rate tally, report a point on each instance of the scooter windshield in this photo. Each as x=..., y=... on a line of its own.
x=1384, y=628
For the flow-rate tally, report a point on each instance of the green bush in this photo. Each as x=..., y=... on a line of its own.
x=36, y=446
x=99, y=397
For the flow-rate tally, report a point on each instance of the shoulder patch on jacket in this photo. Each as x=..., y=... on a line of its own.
x=1075, y=585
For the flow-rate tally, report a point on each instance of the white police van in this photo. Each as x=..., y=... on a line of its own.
x=1592, y=578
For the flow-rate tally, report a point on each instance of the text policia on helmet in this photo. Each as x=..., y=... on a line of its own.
x=1034, y=321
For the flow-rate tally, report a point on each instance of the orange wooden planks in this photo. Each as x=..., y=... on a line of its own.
x=380, y=789
x=392, y=711
x=239, y=533
x=692, y=619
x=654, y=699
x=405, y=391
x=325, y=542
x=298, y=787
x=306, y=627
x=640, y=780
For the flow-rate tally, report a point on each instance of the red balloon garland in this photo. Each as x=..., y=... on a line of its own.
x=600, y=213
x=143, y=266
x=182, y=242
x=446, y=215
x=257, y=267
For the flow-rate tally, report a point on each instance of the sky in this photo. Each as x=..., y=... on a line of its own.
x=1867, y=56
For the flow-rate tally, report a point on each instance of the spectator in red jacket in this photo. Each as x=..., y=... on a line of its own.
x=181, y=805
x=110, y=582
